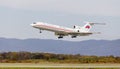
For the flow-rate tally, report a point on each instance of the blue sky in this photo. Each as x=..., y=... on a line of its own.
x=17, y=15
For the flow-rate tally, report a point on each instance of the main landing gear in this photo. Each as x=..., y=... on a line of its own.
x=60, y=36
x=73, y=36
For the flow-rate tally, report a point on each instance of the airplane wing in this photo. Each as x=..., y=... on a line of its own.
x=62, y=32
x=80, y=33
x=83, y=33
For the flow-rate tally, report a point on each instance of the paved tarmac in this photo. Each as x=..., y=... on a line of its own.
x=53, y=65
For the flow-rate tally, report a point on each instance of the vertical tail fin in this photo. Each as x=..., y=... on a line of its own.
x=88, y=26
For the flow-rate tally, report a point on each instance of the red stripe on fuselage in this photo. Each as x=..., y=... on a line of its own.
x=55, y=28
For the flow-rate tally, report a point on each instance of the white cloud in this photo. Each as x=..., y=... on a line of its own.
x=92, y=7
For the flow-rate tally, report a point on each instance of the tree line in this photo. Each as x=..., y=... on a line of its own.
x=30, y=57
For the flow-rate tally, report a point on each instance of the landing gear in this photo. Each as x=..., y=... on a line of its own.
x=40, y=31
x=60, y=36
x=73, y=36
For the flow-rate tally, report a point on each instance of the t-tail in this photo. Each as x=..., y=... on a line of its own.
x=88, y=26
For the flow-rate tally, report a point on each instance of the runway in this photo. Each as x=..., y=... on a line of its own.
x=53, y=65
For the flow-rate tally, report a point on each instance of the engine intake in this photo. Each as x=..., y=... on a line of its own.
x=76, y=27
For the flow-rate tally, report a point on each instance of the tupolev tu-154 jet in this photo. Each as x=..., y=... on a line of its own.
x=64, y=31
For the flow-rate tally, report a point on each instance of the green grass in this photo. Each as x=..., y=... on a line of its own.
x=51, y=68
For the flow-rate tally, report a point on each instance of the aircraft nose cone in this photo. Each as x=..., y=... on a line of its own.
x=32, y=24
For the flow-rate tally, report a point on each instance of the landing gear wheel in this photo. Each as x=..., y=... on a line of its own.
x=73, y=36
x=60, y=36
x=40, y=31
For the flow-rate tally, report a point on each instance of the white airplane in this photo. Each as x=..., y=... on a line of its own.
x=64, y=31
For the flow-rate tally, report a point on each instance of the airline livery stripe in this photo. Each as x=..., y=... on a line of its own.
x=55, y=28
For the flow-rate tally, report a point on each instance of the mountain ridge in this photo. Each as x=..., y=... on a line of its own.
x=87, y=47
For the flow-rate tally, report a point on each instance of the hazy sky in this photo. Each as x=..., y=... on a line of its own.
x=17, y=15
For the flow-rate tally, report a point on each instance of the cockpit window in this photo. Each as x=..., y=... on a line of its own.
x=34, y=23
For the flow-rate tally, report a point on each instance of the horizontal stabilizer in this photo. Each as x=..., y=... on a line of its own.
x=92, y=23
x=96, y=32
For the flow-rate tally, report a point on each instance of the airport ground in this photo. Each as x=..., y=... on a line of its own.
x=57, y=65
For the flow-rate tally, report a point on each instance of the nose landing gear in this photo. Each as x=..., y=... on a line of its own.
x=40, y=31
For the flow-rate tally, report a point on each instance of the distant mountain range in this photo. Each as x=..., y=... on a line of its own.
x=88, y=47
